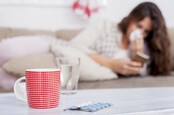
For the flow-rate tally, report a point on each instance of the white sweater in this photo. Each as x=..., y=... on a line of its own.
x=103, y=38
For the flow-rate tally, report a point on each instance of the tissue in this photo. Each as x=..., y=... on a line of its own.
x=135, y=34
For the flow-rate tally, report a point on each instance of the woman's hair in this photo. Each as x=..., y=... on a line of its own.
x=158, y=41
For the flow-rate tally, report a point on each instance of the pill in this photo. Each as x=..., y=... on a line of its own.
x=83, y=108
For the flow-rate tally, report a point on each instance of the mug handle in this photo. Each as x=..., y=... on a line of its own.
x=20, y=89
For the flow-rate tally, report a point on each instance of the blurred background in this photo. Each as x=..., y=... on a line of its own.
x=58, y=14
x=64, y=19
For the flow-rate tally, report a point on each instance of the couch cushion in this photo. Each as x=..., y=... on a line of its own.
x=17, y=66
x=171, y=36
x=67, y=34
x=131, y=82
x=11, y=32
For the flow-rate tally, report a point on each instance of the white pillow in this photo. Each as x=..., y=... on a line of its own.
x=22, y=46
x=89, y=69
x=6, y=80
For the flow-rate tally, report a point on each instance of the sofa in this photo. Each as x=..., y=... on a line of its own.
x=122, y=82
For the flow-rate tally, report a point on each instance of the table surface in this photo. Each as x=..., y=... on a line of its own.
x=127, y=101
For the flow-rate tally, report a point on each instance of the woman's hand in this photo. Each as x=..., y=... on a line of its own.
x=137, y=45
x=125, y=66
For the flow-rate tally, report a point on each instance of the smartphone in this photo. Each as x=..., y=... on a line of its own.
x=140, y=57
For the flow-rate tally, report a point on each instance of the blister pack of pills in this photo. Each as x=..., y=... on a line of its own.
x=90, y=106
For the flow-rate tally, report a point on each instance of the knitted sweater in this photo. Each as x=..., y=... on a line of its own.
x=104, y=38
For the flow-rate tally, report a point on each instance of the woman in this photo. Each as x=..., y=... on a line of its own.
x=109, y=44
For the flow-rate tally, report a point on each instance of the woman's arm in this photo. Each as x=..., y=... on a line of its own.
x=122, y=66
x=104, y=61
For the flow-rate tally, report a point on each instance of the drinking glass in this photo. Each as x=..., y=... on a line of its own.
x=70, y=70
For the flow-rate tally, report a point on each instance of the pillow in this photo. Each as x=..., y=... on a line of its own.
x=17, y=66
x=89, y=69
x=6, y=80
x=22, y=46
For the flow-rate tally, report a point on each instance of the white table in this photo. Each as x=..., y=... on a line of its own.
x=125, y=101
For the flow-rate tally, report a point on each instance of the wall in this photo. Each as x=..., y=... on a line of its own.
x=52, y=18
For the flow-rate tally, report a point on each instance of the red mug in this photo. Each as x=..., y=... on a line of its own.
x=42, y=88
